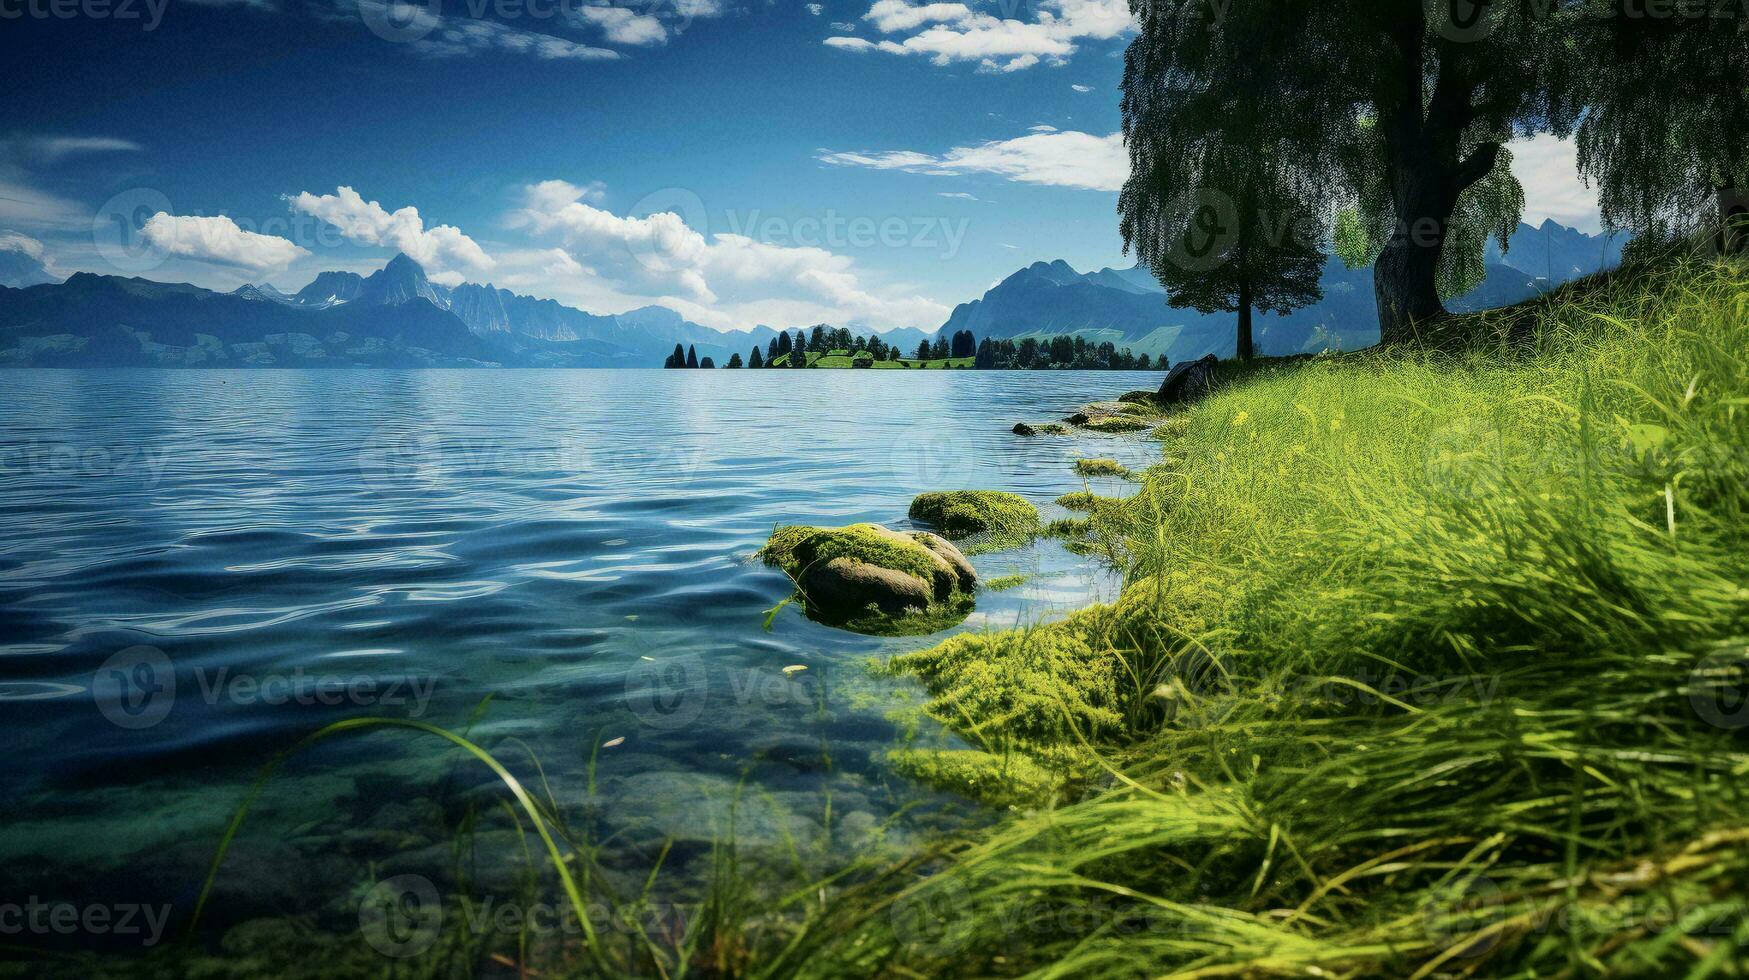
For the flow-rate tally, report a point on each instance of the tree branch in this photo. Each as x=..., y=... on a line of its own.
x=1479, y=164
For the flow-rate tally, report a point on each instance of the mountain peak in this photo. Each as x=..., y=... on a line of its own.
x=402, y=264
x=1058, y=271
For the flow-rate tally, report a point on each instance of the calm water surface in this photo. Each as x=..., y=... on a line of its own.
x=196, y=569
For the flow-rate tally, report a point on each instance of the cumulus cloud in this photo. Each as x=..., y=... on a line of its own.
x=431, y=34
x=1045, y=156
x=816, y=9
x=24, y=261
x=726, y=279
x=956, y=32
x=620, y=25
x=442, y=249
x=219, y=240
x=1548, y=168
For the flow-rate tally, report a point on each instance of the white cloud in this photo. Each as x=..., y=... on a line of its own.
x=620, y=25
x=53, y=149
x=219, y=240
x=1548, y=168
x=725, y=279
x=11, y=241
x=816, y=9
x=1083, y=89
x=24, y=262
x=1046, y=156
x=441, y=249
x=462, y=38
x=955, y=32
x=956, y=195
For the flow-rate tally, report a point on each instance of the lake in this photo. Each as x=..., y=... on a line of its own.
x=198, y=569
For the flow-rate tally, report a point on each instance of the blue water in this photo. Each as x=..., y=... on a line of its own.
x=197, y=569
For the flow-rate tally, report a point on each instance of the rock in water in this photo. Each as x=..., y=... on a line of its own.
x=961, y=514
x=869, y=579
x=1189, y=382
x=1022, y=429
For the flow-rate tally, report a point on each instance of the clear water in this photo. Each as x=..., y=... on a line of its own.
x=197, y=569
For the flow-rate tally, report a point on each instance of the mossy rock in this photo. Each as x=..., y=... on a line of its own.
x=1143, y=398
x=1084, y=502
x=868, y=579
x=1101, y=467
x=1054, y=429
x=1115, y=424
x=995, y=518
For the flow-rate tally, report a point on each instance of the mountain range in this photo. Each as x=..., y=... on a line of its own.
x=398, y=317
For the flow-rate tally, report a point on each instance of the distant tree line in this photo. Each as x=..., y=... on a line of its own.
x=688, y=358
x=1030, y=354
x=1057, y=353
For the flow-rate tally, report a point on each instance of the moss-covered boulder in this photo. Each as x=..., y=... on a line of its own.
x=1115, y=424
x=869, y=579
x=1101, y=467
x=994, y=518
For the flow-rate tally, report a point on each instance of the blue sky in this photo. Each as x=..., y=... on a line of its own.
x=864, y=162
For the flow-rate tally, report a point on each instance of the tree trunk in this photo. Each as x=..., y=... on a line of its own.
x=1245, y=350
x=1406, y=277
x=1733, y=220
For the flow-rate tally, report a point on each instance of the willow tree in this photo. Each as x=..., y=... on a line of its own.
x=1218, y=204
x=1401, y=108
x=1667, y=132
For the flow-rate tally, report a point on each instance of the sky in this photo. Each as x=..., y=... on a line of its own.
x=868, y=163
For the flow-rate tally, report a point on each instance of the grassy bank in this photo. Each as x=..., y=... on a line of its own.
x=1428, y=664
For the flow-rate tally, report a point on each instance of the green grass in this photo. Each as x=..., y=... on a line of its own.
x=1423, y=668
